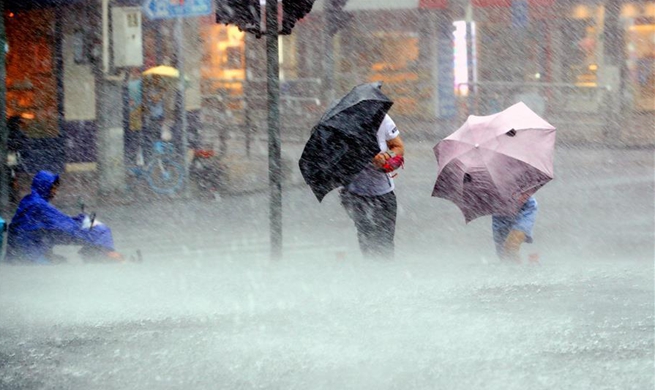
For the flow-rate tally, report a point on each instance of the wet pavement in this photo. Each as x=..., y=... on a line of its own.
x=207, y=309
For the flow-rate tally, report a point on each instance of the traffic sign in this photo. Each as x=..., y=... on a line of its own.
x=520, y=11
x=167, y=9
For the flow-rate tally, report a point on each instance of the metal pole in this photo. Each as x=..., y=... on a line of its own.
x=109, y=112
x=470, y=46
x=329, y=32
x=179, y=49
x=4, y=182
x=612, y=68
x=274, y=155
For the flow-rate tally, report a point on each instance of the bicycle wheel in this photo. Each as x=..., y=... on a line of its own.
x=165, y=176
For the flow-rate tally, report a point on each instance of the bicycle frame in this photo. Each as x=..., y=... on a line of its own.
x=164, y=175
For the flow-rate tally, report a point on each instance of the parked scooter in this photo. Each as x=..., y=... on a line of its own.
x=101, y=235
x=207, y=173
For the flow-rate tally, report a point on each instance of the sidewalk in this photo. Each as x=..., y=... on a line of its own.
x=249, y=174
x=244, y=174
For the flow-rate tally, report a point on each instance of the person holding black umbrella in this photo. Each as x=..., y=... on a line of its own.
x=370, y=200
x=355, y=146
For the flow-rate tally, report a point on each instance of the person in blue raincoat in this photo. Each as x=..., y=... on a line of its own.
x=38, y=226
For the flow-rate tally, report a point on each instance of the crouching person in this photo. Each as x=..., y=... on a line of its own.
x=38, y=226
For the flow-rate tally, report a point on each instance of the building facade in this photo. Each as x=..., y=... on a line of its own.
x=558, y=56
x=440, y=60
x=54, y=64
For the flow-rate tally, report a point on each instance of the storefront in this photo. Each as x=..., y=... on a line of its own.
x=563, y=43
x=31, y=71
x=224, y=59
x=50, y=80
x=406, y=44
x=639, y=22
x=233, y=72
x=391, y=56
x=34, y=84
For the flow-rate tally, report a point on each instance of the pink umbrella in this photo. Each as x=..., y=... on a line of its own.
x=492, y=163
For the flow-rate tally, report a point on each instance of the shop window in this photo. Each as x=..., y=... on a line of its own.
x=639, y=20
x=390, y=57
x=223, y=64
x=288, y=57
x=579, y=52
x=394, y=50
x=31, y=81
x=641, y=63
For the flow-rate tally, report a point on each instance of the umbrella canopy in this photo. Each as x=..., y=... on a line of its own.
x=345, y=139
x=492, y=163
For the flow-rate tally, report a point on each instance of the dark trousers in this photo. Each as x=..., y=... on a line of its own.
x=375, y=220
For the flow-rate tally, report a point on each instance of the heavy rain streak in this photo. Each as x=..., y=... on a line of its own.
x=327, y=194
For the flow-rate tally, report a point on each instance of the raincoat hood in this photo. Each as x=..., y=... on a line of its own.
x=43, y=182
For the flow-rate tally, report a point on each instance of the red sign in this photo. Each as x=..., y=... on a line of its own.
x=508, y=3
x=541, y=3
x=433, y=4
x=491, y=3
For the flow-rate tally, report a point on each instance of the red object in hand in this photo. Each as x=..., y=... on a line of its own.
x=203, y=153
x=393, y=163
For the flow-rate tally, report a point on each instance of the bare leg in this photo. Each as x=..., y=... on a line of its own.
x=512, y=246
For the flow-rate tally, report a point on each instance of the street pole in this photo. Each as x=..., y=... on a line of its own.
x=335, y=19
x=4, y=182
x=329, y=32
x=109, y=109
x=470, y=51
x=612, y=68
x=274, y=154
x=179, y=49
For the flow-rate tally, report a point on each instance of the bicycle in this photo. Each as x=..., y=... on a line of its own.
x=164, y=175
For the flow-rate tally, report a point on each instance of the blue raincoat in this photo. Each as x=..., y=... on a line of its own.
x=38, y=226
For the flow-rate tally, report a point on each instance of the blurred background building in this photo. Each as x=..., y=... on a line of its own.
x=588, y=66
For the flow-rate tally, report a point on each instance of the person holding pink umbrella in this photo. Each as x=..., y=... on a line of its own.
x=492, y=165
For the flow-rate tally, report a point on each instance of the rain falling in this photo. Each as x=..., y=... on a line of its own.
x=327, y=194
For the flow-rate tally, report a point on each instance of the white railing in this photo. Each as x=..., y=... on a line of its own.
x=557, y=101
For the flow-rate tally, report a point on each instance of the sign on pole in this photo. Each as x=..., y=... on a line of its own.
x=520, y=11
x=168, y=9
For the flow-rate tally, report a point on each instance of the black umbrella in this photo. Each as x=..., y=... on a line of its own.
x=345, y=139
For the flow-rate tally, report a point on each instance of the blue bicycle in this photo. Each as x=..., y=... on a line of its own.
x=164, y=175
